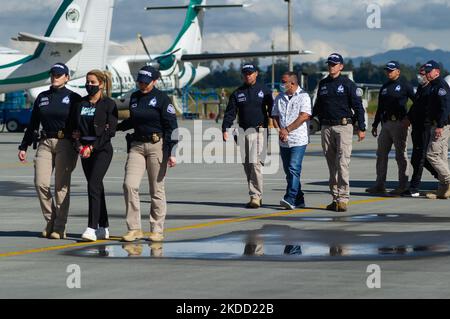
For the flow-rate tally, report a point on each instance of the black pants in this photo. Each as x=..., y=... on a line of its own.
x=421, y=138
x=95, y=168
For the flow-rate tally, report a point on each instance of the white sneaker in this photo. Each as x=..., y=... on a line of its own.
x=102, y=233
x=89, y=235
x=286, y=204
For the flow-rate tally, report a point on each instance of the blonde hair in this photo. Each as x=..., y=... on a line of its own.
x=105, y=78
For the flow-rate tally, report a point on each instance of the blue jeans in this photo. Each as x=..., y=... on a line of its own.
x=292, y=158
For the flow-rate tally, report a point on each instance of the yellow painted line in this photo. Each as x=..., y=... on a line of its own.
x=237, y=220
x=196, y=226
x=277, y=214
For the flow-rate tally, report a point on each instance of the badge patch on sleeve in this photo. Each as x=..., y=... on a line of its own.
x=171, y=109
x=359, y=92
x=261, y=94
x=442, y=92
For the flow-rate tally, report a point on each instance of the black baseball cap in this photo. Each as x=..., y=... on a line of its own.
x=147, y=74
x=392, y=65
x=248, y=68
x=59, y=69
x=431, y=65
x=335, y=58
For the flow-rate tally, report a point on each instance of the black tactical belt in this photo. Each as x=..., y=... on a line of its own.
x=343, y=121
x=153, y=138
x=59, y=135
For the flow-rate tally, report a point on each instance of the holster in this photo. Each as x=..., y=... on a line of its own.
x=129, y=138
x=35, y=139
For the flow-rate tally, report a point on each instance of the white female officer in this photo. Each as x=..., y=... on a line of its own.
x=95, y=121
x=153, y=118
x=54, y=153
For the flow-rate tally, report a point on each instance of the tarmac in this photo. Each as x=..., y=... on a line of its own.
x=216, y=248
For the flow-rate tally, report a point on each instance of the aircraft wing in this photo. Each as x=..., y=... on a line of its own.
x=237, y=55
x=199, y=6
x=370, y=86
x=24, y=36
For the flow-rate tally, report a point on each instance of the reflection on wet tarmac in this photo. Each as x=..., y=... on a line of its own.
x=355, y=218
x=283, y=243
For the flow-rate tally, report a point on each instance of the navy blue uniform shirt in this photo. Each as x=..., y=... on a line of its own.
x=392, y=101
x=253, y=105
x=419, y=113
x=339, y=98
x=439, y=102
x=51, y=110
x=150, y=113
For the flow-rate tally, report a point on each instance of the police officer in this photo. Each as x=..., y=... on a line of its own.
x=392, y=112
x=153, y=118
x=54, y=153
x=419, y=119
x=252, y=102
x=439, y=103
x=338, y=103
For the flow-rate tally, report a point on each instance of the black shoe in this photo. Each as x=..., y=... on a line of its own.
x=412, y=192
x=333, y=207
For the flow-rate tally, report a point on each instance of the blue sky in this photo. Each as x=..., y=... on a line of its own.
x=319, y=25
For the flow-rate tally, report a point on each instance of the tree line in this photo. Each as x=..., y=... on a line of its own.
x=366, y=72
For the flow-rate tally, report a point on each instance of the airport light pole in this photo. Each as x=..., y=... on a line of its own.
x=273, y=67
x=289, y=3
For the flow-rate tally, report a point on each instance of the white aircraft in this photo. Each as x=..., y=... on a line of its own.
x=78, y=35
x=179, y=65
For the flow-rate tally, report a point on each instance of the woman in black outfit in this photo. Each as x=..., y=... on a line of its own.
x=95, y=121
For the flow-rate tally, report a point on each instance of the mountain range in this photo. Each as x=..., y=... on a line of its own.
x=409, y=56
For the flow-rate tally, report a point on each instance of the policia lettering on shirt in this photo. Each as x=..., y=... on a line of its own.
x=253, y=103
x=54, y=153
x=338, y=103
x=153, y=118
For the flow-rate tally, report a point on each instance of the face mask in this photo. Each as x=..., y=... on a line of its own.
x=421, y=79
x=283, y=87
x=92, y=89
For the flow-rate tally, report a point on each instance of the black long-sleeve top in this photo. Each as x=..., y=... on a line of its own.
x=103, y=123
x=253, y=105
x=439, y=102
x=339, y=98
x=392, y=101
x=51, y=110
x=150, y=113
x=419, y=113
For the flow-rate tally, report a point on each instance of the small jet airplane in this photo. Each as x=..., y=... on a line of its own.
x=78, y=35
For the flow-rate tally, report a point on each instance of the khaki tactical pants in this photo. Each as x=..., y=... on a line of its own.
x=392, y=132
x=142, y=157
x=337, y=148
x=254, y=145
x=54, y=155
x=437, y=155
